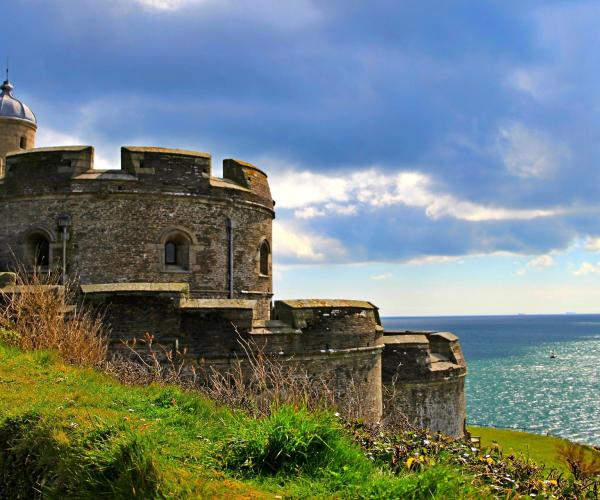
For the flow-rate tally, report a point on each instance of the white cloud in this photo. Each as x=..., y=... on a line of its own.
x=587, y=268
x=170, y=4
x=529, y=153
x=294, y=189
x=592, y=244
x=540, y=262
x=381, y=277
x=431, y=259
x=290, y=14
x=309, y=213
x=315, y=195
x=328, y=209
x=299, y=244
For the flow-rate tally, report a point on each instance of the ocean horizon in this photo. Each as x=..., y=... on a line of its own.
x=538, y=373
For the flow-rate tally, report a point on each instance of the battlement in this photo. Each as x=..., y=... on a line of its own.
x=143, y=169
x=421, y=355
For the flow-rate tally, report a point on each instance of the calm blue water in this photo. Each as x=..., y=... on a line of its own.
x=512, y=382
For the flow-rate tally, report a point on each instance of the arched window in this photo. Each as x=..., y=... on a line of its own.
x=264, y=257
x=23, y=142
x=176, y=251
x=39, y=250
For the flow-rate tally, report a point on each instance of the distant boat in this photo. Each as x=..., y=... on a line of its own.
x=552, y=355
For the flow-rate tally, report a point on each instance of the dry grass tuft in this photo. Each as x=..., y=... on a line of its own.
x=256, y=382
x=40, y=313
x=584, y=465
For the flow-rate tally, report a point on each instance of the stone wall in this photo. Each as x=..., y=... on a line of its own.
x=423, y=375
x=120, y=220
x=339, y=343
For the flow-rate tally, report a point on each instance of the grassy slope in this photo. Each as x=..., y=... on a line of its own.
x=86, y=400
x=90, y=430
x=540, y=449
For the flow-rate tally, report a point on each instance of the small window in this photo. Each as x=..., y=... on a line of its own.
x=176, y=256
x=264, y=258
x=23, y=142
x=170, y=253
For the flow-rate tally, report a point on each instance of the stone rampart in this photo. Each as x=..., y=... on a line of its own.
x=338, y=342
x=423, y=374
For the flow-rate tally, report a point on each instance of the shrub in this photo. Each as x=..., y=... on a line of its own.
x=292, y=441
x=39, y=313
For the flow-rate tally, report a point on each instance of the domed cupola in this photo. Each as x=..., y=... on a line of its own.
x=11, y=107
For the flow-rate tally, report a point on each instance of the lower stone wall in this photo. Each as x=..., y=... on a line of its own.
x=437, y=405
x=352, y=378
x=423, y=378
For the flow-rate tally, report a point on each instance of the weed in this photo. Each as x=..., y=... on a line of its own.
x=37, y=313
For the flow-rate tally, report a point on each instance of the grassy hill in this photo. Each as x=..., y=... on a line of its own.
x=75, y=432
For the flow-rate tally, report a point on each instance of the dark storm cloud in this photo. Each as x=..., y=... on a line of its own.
x=496, y=102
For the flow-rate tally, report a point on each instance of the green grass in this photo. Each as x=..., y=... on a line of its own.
x=76, y=433
x=540, y=449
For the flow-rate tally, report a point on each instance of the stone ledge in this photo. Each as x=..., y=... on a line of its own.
x=325, y=303
x=183, y=288
x=216, y=304
x=167, y=151
x=56, y=149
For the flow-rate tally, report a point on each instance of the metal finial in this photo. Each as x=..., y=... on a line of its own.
x=6, y=87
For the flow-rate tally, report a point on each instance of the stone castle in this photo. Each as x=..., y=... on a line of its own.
x=169, y=249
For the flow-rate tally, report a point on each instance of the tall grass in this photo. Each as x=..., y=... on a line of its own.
x=40, y=313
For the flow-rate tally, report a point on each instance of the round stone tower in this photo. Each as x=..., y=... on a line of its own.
x=17, y=124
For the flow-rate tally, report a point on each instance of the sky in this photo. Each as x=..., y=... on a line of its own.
x=433, y=157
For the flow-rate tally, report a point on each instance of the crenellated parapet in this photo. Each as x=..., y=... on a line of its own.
x=143, y=169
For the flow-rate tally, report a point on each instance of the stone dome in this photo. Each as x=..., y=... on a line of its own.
x=10, y=107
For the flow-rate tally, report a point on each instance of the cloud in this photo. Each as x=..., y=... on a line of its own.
x=432, y=259
x=530, y=153
x=541, y=262
x=293, y=189
x=587, y=268
x=296, y=243
x=381, y=277
x=593, y=244
x=538, y=263
x=467, y=156
x=327, y=209
x=168, y=4
x=318, y=195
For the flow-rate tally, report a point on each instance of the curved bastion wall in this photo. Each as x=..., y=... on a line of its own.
x=120, y=222
x=423, y=374
x=336, y=342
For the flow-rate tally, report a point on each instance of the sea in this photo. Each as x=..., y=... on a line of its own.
x=536, y=373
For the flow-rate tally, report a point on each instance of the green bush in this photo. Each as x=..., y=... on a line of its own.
x=292, y=441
